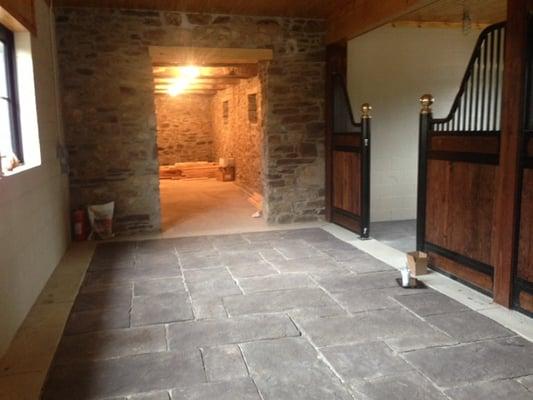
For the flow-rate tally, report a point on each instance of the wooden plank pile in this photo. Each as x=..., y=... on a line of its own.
x=189, y=170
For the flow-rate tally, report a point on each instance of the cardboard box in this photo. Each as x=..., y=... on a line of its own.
x=417, y=261
x=226, y=174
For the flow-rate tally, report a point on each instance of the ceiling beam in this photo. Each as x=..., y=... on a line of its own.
x=435, y=24
x=361, y=16
x=186, y=92
x=222, y=81
x=232, y=71
x=208, y=55
x=194, y=86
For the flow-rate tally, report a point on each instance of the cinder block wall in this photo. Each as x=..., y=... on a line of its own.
x=109, y=111
x=406, y=62
x=184, y=129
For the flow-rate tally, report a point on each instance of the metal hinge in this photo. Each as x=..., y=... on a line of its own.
x=366, y=142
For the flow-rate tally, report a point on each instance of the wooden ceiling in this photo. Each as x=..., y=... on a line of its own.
x=482, y=12
x=291, y=8
x=346, y=18
x=208, y=82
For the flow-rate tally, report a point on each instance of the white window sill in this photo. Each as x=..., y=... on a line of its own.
x=20, y=169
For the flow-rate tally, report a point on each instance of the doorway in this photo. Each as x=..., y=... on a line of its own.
x=392, y=83
x=210, y=147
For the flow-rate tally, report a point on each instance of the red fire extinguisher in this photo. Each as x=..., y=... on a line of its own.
x=79, y=221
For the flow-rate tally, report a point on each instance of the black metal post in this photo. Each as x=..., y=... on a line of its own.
x=365, y=170
x=426, y=118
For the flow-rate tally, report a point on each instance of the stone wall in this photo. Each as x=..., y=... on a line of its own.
x=240, y=134
x=109, y=114
x=184, y=131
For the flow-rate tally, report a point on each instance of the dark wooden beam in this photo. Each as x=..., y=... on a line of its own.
x=22, y=11
x=203, y=92
x=206, y=80
x=506, y=208
x=358, y=17
x=198, y=87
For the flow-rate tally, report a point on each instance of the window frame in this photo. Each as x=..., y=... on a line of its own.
x=8, y=38
x=225, y=111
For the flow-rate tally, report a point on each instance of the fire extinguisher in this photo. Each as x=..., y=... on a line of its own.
x=79, y=221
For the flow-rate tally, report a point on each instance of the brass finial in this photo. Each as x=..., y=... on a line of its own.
x=365, y=111
x=426, y=101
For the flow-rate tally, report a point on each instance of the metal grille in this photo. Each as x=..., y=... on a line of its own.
x=477, y=107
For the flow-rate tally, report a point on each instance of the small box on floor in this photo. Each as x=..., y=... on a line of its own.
x=417, y=262
x=226, y=174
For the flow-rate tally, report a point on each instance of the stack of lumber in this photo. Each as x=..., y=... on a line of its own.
x=189, y=170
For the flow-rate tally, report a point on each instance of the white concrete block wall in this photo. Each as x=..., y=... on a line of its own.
x=33, y=203
x=391, y=68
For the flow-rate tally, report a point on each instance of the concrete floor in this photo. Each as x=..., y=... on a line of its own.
x=205, y=206
x=400, y=235
x=274, y=315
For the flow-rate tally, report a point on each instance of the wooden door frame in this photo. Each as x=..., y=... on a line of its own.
x=506, y=206
x=336, y=77
x=336, y=62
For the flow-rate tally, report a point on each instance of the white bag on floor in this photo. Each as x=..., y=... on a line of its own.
x=101, y=220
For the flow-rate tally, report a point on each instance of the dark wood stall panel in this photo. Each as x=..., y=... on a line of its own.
x=346, y=173
x=523, y=270
x=458, y=166
x=347, y=151
x=460, y=200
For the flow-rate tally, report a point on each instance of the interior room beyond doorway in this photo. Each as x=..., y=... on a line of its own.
x=407, y=62
x=209, y=138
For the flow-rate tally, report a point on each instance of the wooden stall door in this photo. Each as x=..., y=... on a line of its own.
x=523, y=272
x=458, y=166
x=347, y=152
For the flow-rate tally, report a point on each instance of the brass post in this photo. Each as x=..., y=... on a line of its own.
x=365, y=111
x=426, y=101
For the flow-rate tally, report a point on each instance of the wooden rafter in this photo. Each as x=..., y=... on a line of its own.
x=207, y=56
x=359, y=17
x=210, y=80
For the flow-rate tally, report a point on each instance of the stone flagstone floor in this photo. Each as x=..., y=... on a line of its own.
x=277, y=315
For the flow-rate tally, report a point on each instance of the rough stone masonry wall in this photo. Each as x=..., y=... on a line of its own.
x=184, y=131
x=240, y=134
x=109, y=115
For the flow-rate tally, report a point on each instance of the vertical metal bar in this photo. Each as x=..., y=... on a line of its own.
x=459, y=116
x=491, y=76
x=365, y=174
x=497, y=90
x=477, y=124
x=463, y=108
x=426, y=118
x=471, y=82
x=484, y=90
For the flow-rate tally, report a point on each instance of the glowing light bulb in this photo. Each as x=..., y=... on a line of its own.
x=190, y=71
x=178, y=86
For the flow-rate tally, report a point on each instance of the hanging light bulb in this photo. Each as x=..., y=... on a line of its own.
x=190, y=71
x=187, y=75
x=178, y=86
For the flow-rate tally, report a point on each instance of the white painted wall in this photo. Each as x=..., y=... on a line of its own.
x=391, y=68
x=34, y=202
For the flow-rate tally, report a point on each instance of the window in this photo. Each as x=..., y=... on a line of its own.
x=252, y=108
x=225, y=111
x=10, y=138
